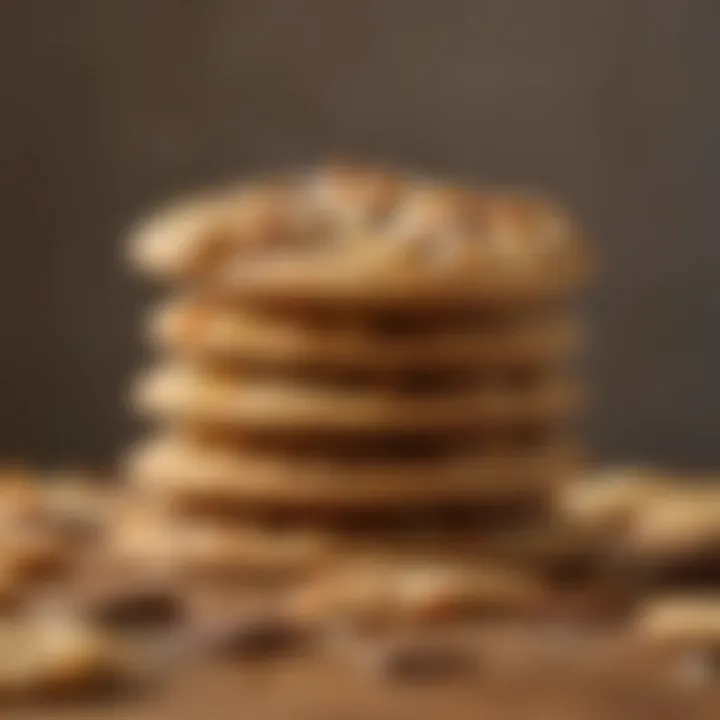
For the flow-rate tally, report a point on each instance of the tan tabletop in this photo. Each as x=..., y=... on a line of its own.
x=523, y=674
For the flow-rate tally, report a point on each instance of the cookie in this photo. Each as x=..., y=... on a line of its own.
x=607, y=499
x=546, y=544
x=42, y=657
x=175, y=469
x=681, y=621
x=676, y=525
x=318, y=238
x=374, y=344
x=148, y=539
x=34, y=553
x=572, y=563
x=62, y=502
x=372, y=595
x=78, y=507
x=183, y=393
x=194, y=234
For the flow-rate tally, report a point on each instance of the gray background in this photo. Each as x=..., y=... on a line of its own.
x=110, y=105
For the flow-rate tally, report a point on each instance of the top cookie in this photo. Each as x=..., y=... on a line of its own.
x=367, y=236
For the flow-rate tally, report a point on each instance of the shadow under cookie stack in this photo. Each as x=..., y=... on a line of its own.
x=366, y=385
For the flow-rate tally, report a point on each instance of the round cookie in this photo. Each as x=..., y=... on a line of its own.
x=252, y=336
x=150, y=538
x=372, y=593
x=193, y=234
x=185, y=394
x=366, y=238
x=176, y=469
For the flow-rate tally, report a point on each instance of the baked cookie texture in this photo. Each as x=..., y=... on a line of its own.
x=180, y=470
x=367, y=237
x=351, y=343
x=195, y=547
x=372, y=343
x=681, y=621
x=277, y=405
x=44, y=656
x=373, y=595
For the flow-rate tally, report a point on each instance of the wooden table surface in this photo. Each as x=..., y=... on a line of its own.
x=522, y=674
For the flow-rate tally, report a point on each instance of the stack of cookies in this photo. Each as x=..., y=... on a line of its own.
x=357, y=366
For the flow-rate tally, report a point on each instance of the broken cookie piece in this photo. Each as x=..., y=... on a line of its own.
x=41, y=657
x=681, y=621
x=678, y=524
x=686, y=629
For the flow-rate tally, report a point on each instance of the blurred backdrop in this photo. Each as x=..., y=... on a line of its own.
x=111, y=105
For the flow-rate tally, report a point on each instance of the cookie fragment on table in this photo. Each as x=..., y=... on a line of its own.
x=41, y=657
x=686, y=629
x=681, y=621
x=677, y=524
